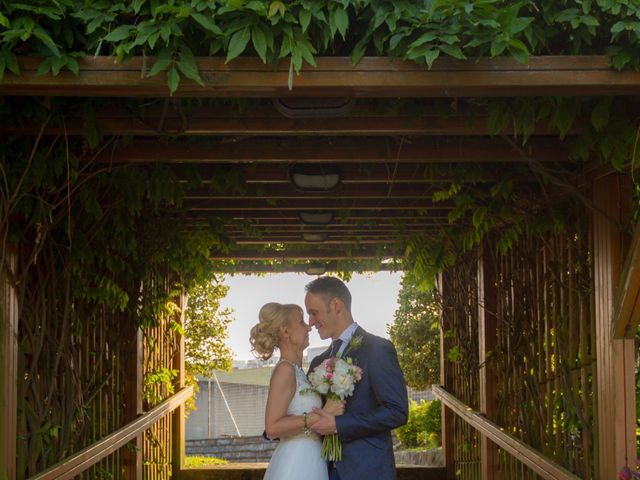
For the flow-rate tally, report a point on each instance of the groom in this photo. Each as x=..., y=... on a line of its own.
x=379, y=402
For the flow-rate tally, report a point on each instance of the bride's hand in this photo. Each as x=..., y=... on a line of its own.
x=334, y=407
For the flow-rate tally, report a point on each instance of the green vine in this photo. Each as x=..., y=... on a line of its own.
x=177, y=31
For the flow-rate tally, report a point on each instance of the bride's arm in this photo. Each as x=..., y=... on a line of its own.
x=282, y=388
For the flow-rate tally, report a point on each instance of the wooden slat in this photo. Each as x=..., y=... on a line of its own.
x=132, y=353
x=626, y=310
x=178, y=433
x=487, y=343
x=9, y=372
x=332, y=150
x=542, y=465
x=87, y=457
x=615, y=358
x=335, y=77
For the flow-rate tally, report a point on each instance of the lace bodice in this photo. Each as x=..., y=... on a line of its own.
x=304, y=399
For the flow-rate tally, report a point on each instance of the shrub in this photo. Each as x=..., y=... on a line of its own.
x=424, y=427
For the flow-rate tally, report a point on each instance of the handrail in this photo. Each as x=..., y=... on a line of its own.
x=84, y=459
x=531, y=457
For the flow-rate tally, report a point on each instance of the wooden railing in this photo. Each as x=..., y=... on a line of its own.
x=84, y=459
x=532, y=458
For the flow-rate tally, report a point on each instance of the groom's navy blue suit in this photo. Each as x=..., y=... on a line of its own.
x=378, y=405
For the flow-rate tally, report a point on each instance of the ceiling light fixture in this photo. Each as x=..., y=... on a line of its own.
x=316, y=269
x=316, y=217
x=314, y=177
x=314, y=237
x=310, y=107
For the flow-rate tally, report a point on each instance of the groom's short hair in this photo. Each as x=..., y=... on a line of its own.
x=330, y=288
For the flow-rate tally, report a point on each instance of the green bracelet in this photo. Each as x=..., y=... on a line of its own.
x=306, y=427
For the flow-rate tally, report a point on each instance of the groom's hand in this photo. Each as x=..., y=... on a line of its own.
x=327, y=423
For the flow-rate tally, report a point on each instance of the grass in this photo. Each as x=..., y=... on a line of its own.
x=202, y=461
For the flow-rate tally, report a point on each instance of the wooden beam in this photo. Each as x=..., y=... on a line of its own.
x=312, y=254
x=191, y=124
x=332, y=150
x=344, y=192
x=334, y=77
x=615, y=358
x=251, y=204
x=626, y=309
x=9, y=372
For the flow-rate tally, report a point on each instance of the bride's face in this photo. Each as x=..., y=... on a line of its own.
x=298, y=331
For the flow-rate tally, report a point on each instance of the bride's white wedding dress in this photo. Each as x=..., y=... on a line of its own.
x=299, y=457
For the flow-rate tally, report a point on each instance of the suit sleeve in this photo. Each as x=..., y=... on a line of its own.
x=388, y=387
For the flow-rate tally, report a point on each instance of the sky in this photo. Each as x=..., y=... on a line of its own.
x=374, y=302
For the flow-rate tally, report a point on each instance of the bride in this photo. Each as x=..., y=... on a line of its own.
x=289, y=413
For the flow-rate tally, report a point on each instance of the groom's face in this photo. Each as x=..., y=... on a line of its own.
x=321, y=315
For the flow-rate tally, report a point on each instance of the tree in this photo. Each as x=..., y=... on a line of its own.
x=416, y=334
x=206, y=329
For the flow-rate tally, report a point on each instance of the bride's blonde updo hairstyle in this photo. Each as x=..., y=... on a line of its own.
x=264, y=336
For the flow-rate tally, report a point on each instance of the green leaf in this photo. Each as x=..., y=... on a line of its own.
x=259, y=43
x=91, y=131
x=341, y=21
x=45, y=66
x=4, y=21
x=173, y=79
x=162, y=62
x=452, y=51
x=305, y=19
x=431, y=55
x=206, y=23
x=120, y=33
x=238, y=43
x=187, y=65
x=601, y=113
x=72, y=64
x=275, y=7
x=47, y=40
x=10, y=61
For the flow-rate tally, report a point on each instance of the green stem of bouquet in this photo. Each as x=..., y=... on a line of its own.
x=332, y=448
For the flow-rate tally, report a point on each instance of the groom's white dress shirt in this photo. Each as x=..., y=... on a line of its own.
x=346, y=337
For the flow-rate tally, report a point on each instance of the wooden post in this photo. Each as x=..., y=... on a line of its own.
x=9, y=370
x=178, y=437
x=132, y=365
x=445, y=378
x=487, y=341
x=615, y=386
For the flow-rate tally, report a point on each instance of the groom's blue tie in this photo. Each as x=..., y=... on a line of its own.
x=335, y=347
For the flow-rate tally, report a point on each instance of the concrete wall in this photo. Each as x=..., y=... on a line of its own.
x=212, y=419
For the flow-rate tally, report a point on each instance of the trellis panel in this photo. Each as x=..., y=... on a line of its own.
x=9, y=371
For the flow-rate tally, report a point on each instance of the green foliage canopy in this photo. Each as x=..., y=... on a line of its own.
x=206, y=329
x=416, y=334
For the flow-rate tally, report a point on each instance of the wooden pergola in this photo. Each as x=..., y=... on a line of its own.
x=389, y=162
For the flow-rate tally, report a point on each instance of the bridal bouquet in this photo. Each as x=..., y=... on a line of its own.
x=335, y=378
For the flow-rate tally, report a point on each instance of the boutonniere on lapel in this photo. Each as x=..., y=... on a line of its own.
x=336, y=378
x=354, y=344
